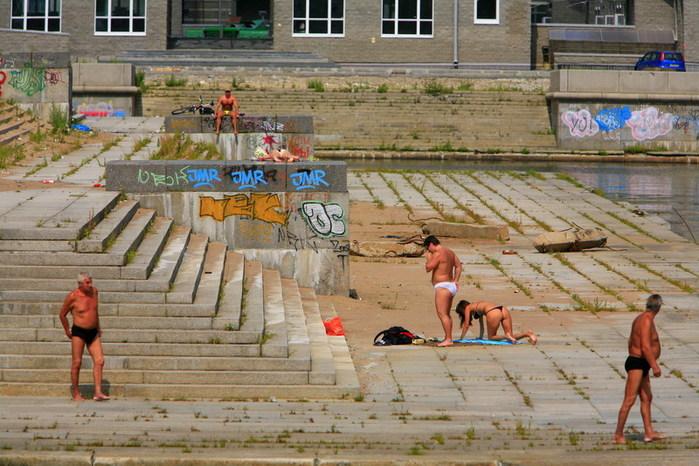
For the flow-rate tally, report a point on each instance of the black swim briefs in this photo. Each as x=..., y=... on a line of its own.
x=636, y=363
x=87, y=335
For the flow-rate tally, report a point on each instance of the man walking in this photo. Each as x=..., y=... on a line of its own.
x=644, y=351
x=82, y=304
x=446, y=271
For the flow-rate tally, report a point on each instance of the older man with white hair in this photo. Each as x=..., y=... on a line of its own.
x=86, y=331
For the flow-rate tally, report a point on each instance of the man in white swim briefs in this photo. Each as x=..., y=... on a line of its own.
x=446, y=271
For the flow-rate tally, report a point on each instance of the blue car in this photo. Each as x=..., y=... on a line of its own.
x=661, y=61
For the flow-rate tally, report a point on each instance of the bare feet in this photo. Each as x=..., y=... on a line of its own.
x=653, y=437
x=78, y=397
x=619, y=439
x=444, y=343
x=532, y=337
x=100, y=397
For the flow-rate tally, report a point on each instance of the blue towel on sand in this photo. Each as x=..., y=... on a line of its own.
x=483, y=341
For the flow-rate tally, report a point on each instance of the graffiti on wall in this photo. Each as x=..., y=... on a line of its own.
x=100, y=110
x=255, y=206
x=645, y=124
x=308, y=179
x=156, y=179
x=3, y=78
x=649, y=123
x=326, y=220
x=300, y=145
x=7, y=62
x=31, y=80
x=580, y=123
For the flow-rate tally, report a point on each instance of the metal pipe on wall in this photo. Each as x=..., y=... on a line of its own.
x=456, y=33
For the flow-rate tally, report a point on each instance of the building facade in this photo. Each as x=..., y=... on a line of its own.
x=469, y=33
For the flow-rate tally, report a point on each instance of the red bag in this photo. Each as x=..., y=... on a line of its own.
x=333, y=327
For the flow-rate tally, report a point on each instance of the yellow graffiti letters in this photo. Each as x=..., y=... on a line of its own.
x=256, y=206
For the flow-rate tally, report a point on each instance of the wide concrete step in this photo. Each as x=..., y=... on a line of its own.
x=52, y=214
x=117, y=255
x=229, y=310
x=190, y=270
x=155, y=323
x=275, y=341
x=180, y=377
x=212, y=349
x=181, y=363
x=116, y=335
x=114, y=309
x=177, y=391
x=109, y=228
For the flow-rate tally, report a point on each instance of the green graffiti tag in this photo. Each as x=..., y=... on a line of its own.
x=29, y=80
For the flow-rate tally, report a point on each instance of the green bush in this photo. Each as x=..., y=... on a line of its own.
x=58, y=119
x=10, y=155
x=382, y=89
x=434, y=88
x=181, y=147
x=140, y=81
x=316, y=85
x=172, y=81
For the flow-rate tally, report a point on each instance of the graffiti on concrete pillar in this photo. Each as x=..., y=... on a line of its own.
x=580, y=123
x=308, y=179
x=324, y=219
x=3, y=78
x=255, y=206
x=650, y=123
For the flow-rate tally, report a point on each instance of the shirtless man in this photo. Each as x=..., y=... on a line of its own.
x=82, y=303
x=644, y=351
x=446, y=271
x=227, y=105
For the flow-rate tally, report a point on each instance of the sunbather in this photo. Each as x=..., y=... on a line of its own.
x=495, y=316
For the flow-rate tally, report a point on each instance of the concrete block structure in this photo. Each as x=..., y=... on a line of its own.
x=603, y=110
x=290, y=217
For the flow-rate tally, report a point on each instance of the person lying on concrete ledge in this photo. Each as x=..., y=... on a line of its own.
x=495, y=316
x=276, y=155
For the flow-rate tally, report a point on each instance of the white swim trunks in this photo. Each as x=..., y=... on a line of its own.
x=451, y=286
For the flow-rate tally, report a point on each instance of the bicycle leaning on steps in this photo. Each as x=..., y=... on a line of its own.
x=201, y=108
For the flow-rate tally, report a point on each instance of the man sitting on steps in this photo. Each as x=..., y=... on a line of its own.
x=227, y=105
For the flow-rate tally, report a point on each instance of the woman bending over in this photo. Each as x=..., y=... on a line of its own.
x=495, y=316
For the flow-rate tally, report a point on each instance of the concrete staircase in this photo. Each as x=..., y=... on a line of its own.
x=182, y=317
x=13, y=123
x=404, y=121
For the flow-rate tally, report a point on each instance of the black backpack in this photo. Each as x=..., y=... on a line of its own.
x=394, y=336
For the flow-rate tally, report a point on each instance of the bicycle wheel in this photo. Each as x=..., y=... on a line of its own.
x=181, y=110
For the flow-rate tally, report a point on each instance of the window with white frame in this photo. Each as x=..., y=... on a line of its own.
x=486, y=11
x=407, y=18
x=120, y=17
x=319, y=18
x=36, y=15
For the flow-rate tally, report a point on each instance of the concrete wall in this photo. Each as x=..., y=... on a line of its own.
x=293, y=217
x=36, y=82
x=294, y=133
x=617, y=125
x=601, y=110
x=78, y=22
x=641, y=84
x=104, y=89
x=506, y=43
x=691, y=30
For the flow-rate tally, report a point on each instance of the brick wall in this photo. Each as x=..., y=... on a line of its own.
x=78, y=23
x=691, y=30
x=505, y=43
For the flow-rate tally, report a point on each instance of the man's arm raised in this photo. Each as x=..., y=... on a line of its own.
x=646, y=350
x=432, y=261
